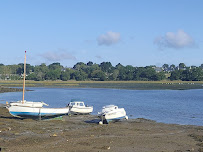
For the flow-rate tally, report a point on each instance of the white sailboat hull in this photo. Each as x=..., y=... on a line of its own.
x=18, y=111
x=28, y=104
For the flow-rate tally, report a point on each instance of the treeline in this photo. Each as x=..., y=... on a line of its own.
x=101, y=72
x=184, y=73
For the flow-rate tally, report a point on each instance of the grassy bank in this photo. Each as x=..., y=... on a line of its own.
x=135, y=85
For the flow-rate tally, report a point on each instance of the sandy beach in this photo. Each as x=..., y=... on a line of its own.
x=83, y=134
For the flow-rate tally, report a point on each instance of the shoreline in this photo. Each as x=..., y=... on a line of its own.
x=131, y=85
x=83, y=133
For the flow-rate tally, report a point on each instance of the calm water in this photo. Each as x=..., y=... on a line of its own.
x=168, y=106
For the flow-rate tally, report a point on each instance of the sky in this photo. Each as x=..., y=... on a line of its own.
x=131, y=32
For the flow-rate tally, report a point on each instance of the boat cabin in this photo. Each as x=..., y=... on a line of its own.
x=77, y=104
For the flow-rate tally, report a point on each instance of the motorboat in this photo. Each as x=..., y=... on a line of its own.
x=32, y=112
x=112, y=113
x=79, y=107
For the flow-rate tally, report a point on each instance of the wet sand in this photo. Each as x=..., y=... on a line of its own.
x=84, y=134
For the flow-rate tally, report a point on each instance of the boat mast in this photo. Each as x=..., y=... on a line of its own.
x=24, y=77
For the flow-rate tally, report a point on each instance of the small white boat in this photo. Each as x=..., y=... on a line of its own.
x=112, y=113
x=78, y=107
x=31, y=112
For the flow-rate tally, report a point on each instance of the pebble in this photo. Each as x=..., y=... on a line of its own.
x=54, y=135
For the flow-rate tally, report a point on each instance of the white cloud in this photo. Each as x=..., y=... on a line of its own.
x=57, y=56
x=109, y=38
x=177, y=40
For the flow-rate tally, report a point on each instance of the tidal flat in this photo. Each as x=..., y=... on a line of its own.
x=82, y=133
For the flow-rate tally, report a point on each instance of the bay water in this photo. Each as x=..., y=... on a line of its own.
x=183, y=107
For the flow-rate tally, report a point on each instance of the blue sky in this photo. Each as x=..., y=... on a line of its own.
x=132, y=32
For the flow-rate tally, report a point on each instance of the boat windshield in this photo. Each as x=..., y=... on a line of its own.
x=72, y=103
x=81, y=104
x=76, y=104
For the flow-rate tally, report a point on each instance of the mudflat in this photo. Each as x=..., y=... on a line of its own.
x=82, y=133
x=6, y=89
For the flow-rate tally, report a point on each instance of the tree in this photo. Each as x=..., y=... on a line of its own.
x=65, y=75
x=53, y=74
x=122, y=73
x=182, y=66
x=32, y=76
x=119, y=66
x=197, y=74
x=13, y=68
x=5, y=72
x=129, y=70
x=115, y=74
x=41, y=71
x=160, y=76
x=201, y=66
x=172, y=67
x=20, y=69
x=79, y=66
x=148, y=73
x=90, y=63
x=165, y=67
x=55, y=66
x=175, y=75
x=106, y=67
x=79, y=75
x=98, y=75
x=185, y=75
x=29, y=68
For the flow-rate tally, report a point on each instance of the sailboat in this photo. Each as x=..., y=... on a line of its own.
x=23, y=102
x=26, y=109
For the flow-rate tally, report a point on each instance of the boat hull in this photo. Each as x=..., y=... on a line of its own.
x=112, y=113
x=81, y=110
x=108, y=117
x=28, y=104
x=78, y=107
x=107, y=120
x=25, y=112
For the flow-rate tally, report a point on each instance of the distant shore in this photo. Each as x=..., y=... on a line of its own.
x=83, y=133
x=133, y=85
